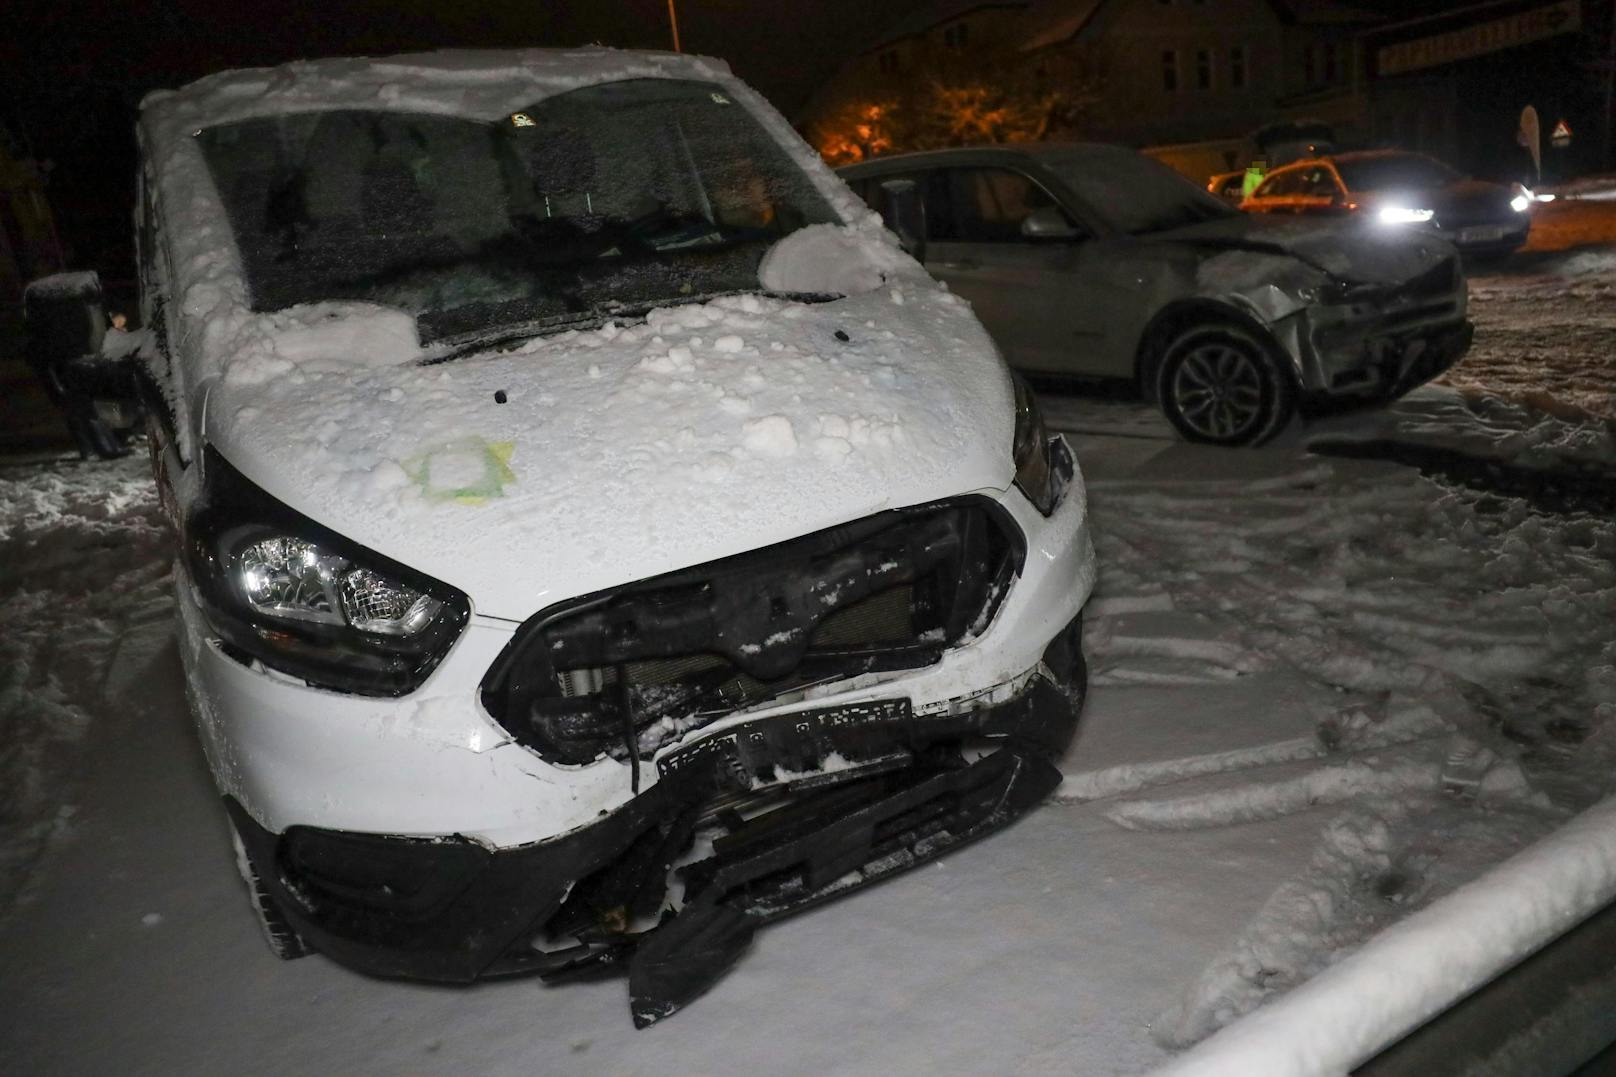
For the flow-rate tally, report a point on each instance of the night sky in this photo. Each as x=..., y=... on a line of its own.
x=72, y=72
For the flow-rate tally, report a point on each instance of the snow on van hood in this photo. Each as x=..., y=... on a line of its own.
x=628, y=450
x=618, y=452
x=1355, y=251
x=201, y=267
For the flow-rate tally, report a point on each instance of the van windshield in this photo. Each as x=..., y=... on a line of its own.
x=611, y=197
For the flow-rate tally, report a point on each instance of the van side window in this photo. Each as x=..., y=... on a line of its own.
x=148, y=270
x=989, y=204
x=146, y=234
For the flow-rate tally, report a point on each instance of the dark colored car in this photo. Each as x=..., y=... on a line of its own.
x=1097, y=262
x=1396, y=189
x=83, y=362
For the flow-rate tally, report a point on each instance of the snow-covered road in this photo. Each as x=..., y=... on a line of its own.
x=1546, y=334
x=1326, y=692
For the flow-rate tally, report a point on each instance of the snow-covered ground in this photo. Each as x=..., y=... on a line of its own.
x=1326, y=691
x=1546, y=334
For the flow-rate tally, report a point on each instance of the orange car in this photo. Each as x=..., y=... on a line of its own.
x=1398, y=189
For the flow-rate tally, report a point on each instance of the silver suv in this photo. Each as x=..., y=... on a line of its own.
x=1095, y=261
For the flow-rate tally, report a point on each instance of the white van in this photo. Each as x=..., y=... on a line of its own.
x=597, y=537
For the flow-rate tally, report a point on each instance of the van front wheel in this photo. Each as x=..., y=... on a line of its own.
x=284, y=941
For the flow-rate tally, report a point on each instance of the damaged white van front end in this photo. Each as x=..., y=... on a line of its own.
x=597, y=537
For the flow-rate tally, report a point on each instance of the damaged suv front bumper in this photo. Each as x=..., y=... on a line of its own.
x=1369, y=344
x=799, y=808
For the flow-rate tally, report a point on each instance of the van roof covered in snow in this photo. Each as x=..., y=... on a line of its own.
x=464, y=82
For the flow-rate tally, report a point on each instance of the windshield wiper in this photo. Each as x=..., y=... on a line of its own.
x=512, y=334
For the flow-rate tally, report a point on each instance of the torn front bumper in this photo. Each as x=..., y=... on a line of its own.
x=1369, y=344
x=1392, y=365
x=800, y=808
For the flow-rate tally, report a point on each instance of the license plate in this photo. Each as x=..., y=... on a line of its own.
x=1481, y=234
x=861, y=735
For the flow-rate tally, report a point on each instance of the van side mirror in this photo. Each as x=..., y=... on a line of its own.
x=1047, y=222
x=903, y=213
x=64, y=316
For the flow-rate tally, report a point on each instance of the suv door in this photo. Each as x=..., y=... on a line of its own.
x=1020, y=287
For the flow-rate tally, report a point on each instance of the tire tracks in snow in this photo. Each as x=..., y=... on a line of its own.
x=1467, y=629
x=1342, y=735
x=82, y=548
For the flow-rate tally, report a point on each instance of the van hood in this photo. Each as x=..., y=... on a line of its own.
x=588, y=459
x=1352, y=250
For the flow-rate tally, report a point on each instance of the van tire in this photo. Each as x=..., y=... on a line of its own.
x=283, y=939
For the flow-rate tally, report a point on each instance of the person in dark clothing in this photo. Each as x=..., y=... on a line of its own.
x=66, y=333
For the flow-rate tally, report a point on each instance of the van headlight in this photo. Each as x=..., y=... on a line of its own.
x=1043, y=465
x=292, y=578
x=303, y=600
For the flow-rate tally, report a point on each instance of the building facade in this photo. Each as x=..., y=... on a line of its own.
x=1192, y=80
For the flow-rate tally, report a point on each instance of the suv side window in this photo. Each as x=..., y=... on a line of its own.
x=989, y=204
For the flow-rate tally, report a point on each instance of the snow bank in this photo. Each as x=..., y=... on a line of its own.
x=1421, y=966
x=1524, y=432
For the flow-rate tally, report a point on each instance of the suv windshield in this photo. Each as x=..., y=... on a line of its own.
x=1135, y=194
x=604, y=199
x=1394, y=170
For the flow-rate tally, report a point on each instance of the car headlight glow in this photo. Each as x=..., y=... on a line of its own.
x=1043, y=464
x=281, y=589
x=1522, y=201
x=1404, y=215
